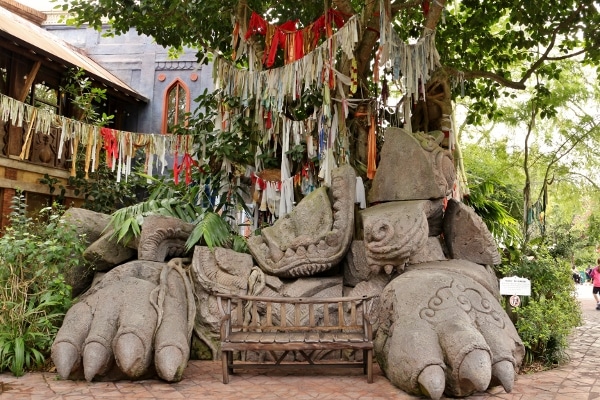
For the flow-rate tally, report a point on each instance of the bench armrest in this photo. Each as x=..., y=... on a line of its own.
x=225, y=327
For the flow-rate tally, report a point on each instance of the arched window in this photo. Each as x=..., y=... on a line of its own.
x=176, y=104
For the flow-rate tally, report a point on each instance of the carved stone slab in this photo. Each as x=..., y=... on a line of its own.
x=87, y=222
x=467, y=237
x=411, y=169
x=105, y=253
x=394, y=232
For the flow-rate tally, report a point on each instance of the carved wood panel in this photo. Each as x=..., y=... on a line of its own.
x=44, y=148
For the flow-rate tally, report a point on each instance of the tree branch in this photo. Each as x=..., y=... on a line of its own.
x=435, y=12
x=546, y=54
x=484, y=74
x=405, y=6
x=520, y=85
x=587, y=178
x=566, y=56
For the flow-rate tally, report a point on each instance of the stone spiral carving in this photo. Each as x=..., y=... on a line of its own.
x=394, y=232
x=163, y=238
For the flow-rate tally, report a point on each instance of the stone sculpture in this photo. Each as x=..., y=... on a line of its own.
x=315, y=236
x=440, y=326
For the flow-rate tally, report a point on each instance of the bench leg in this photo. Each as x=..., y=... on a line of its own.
x=369, y=366
x=230, y=362
x=225, y=361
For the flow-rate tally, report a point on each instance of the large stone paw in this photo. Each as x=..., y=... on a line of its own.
x=135, y=323
x=443, y=330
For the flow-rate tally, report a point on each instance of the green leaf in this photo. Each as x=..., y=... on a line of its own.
x=19, y=357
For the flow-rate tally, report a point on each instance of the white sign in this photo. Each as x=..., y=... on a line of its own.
x=513, y=285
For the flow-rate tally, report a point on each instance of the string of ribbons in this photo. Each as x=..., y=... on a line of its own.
x=120, y=146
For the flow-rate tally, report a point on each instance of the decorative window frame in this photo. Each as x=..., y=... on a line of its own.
x=172, y=85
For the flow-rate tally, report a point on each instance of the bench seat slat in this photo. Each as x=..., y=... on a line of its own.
x=268, y=337
x=282, y=337
x=324, y=337
x=237, y=346
x=296, y=336
x=253, y=337
x=311, y=337
x=349, y=337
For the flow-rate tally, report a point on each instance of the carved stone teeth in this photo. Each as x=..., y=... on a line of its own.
x=322, y=245
x=332, y=238
x=312, y=249
x=289, y=253
x=275, y=253
x=389, y=269
x=301, y=250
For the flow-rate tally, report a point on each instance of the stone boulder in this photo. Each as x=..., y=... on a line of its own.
x=467, y=237
x=412, y=167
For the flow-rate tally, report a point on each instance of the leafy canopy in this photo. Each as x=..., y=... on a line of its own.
x=505, y=42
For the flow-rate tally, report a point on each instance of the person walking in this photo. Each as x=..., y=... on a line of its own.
x=595, y=275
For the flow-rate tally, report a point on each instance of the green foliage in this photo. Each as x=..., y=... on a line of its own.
x=493, y=45
x=238, y=144
x=100, y=191
x=489, y=199
x=209, y=205
x=548, y=316
x=86, y=97
x=35, y=255
x=495, y=198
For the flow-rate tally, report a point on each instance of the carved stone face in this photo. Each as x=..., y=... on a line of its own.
x=393, y=232
x=314, y=236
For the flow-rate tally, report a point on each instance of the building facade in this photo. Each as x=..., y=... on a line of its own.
x=143, y=65
x=147, y=92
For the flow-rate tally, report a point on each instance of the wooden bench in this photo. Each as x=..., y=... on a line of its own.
x=310, y=325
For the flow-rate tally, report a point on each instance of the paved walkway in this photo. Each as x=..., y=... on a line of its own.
x=580, y=379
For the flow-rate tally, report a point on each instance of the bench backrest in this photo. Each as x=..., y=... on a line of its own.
x=287, y=314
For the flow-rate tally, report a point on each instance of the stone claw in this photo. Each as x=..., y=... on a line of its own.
x=474, y=373
x=432, y=381
x=65, y=358
x=170, y=363
x=504, y=372
x=131, y=353
x=96, y=358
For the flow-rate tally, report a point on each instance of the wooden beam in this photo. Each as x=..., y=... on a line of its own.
x=30, y=78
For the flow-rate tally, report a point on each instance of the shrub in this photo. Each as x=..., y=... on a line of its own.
x=548, y=316
x=35, y=255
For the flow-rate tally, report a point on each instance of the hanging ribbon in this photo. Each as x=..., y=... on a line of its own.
x=371, y=149
x=28, y=137
x=110, y=145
